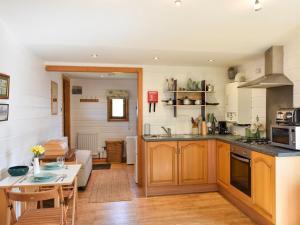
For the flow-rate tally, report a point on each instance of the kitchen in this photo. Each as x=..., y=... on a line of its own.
x=249, y=169
x=213, y=110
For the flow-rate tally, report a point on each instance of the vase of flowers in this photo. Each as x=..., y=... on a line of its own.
x=37, y=150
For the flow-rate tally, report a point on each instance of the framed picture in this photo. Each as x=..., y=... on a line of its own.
x=54, y=98
x=4, y=86
x=4, y=110
x=77, y=90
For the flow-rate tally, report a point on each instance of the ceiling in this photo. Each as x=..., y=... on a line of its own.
x=135, y=31
x=99, y=76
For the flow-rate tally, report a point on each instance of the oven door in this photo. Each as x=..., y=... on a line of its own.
x=240, y=173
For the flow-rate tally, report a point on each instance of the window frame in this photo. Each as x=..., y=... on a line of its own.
x=110, y=118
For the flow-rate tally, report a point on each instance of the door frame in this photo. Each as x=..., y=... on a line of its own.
x=66, y=101
x=133, y=70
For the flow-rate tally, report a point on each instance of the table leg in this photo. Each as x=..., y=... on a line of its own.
x=74, y=202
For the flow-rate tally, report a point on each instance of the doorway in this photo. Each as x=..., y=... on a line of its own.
x=66, y=109
x=95, y=69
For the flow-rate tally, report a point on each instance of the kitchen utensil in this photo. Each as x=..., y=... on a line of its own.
x=18, y=171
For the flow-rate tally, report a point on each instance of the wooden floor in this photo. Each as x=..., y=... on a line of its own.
x=192, y=209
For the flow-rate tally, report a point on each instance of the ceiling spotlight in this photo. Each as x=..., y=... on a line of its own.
x=211, y=60
x=178, y=2
x=94, y=55
x=257, y=5
x=156, y=58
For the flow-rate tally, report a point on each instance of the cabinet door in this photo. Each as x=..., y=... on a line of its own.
x=263, y=184
x=162, y=163
x=223, y=162
x=193, y=162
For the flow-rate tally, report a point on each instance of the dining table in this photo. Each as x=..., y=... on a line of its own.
x=64, y=176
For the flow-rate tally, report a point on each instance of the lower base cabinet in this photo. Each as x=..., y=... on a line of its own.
x=263, y=184
x=223, y=163
x=193, y=162
x=179, y=167
x=162, y=163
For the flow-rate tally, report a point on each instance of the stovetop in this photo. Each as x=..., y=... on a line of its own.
x=255, y=141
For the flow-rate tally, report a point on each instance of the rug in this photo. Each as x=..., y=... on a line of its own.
x=110, y=186
x=101, y=166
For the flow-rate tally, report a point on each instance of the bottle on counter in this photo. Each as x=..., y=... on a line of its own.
x=203, y=128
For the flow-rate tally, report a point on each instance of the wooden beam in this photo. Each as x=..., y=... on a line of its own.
x=92, y=69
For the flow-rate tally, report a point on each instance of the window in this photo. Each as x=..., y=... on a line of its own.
x=117, y=109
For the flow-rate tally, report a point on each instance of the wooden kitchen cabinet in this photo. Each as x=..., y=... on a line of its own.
x=263, y=184
x=193, y=162
x=162, y=163
x=223, y=163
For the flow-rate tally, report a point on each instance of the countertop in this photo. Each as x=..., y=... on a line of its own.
x=262, y=148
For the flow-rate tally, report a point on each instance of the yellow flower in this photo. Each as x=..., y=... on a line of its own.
x=37, y=150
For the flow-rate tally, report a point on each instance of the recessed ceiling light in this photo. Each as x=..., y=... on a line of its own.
x=156, y=58
x=94, y=55
x=211, y=60
x=178, y=2
x=257, y=6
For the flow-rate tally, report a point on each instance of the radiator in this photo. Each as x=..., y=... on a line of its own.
x=88, y=141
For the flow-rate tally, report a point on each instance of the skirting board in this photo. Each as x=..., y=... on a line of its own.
x=256, y=217
x=177, y=189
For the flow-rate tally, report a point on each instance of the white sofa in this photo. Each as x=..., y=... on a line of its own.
x=83, y=157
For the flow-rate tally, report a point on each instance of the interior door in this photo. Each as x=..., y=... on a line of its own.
x=193, y=162
x=66, y=109
x=162, y=163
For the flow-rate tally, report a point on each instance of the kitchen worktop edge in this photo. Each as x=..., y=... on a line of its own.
x=265, y=149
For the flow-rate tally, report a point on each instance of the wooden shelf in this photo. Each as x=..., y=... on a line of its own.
x=191, y=105
x=89, y=100
x=191, y=92
x=185, y=105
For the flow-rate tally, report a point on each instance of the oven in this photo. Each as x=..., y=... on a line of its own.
x=240, y=169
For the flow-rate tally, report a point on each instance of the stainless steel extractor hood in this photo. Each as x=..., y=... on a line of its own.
x=273, y=69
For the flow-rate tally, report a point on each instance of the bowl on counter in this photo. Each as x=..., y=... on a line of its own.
x=16, y=171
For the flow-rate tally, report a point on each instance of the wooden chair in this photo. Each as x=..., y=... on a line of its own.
x=47, y=216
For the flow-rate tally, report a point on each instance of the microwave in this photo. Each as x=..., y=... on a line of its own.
x=286, y=137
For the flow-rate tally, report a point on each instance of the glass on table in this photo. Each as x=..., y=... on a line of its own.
x=60, y=161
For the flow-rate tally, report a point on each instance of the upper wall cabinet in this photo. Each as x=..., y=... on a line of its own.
x=238, y=104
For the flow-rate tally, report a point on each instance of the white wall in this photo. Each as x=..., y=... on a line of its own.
x=92, y=117
x=154, y=80
x=30, y=121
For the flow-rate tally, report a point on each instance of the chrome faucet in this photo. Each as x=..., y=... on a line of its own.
x=167, y=130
